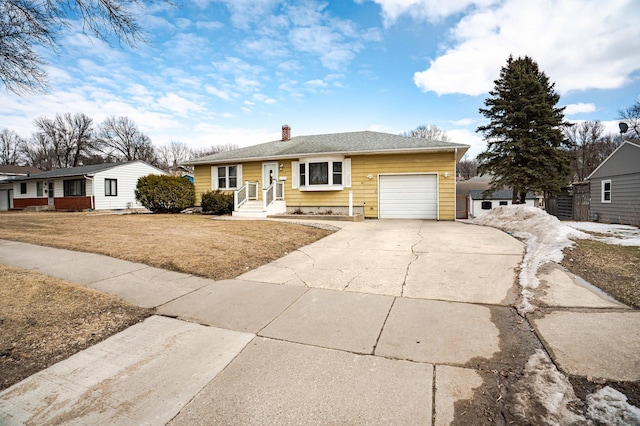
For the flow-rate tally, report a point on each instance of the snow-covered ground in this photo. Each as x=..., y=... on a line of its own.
x=545, y=237
x=622, y=235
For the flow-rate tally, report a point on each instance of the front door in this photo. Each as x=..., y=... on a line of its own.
x=50, y=193
x=269, y=174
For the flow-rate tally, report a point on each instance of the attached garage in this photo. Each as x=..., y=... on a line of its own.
x=408, y=196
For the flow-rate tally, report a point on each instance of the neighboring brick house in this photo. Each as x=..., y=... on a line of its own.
x=108, y=186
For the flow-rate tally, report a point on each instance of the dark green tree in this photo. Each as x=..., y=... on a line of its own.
x=526, y=149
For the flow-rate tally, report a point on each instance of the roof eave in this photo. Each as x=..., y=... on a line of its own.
x=460, y=149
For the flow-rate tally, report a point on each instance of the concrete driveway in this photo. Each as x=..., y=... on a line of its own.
x=409, y=258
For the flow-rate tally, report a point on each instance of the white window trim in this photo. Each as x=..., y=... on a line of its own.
x=302, y=186
x=214, y=177
x=602, y=191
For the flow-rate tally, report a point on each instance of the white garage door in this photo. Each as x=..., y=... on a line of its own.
x=408, y=197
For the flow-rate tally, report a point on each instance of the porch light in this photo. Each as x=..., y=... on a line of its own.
x=281, y=166
x=446, y=174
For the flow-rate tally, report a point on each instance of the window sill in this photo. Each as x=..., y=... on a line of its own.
x=314, y=188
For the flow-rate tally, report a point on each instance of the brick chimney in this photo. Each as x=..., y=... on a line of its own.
x=286, y=132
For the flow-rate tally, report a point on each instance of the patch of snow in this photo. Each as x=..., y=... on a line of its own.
x=611, y=408
x=544, y=235
x=623, y=235
x=544, y=395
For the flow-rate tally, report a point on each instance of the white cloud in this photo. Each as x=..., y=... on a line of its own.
x=468, y=137
x=259, y=97
x=209, y=25
x=579, y=108
x=464, y=122
x=178, y=104
x=210, y=134
x=246, y=12
x=579, y=44
x=317, y=83
x=431, y=10
x=221, y=93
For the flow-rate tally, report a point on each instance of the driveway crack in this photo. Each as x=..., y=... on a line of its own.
x=415, y=257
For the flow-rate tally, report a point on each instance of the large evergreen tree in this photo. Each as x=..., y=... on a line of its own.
x=526, y=149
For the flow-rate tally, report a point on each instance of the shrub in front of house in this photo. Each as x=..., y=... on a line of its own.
x=165, y=194
x=217, y=202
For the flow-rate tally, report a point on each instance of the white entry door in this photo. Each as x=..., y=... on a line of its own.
x=269, y=174
x=408, y=196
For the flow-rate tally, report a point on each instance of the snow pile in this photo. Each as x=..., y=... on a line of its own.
x=544, y=395
x=544, y=235
x=622, y=235
x=610, y=407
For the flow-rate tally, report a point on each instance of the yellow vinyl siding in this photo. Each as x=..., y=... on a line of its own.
x=365, y=190
x=201, y=181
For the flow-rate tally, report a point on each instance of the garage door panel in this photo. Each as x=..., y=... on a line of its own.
x=408, y=197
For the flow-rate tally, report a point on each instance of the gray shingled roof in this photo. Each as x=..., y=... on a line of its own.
x=68, y=172
x=365, y=142
x=502, y=194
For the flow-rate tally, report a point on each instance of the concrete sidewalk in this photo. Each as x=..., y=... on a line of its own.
x=383, y=322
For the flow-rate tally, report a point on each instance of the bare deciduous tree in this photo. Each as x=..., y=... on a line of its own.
x=11, y=147
x=173, y=154
x=631, y=117
x=467, y=168
x=590, y=147
x=215, y=149
x=430, y=132
x=38, y=152
x=28, y=26
x=68, y=138
x=119, y=137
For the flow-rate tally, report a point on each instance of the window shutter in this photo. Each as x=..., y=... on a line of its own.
x=346, y=164
x=214, y=177
x=239, y=175
x=295, y=174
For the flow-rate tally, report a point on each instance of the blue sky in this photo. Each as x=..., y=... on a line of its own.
x=234, y=71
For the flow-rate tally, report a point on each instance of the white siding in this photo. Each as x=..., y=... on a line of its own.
x=127, y=176
x=31, y=190
x=476, y=206
x=410, y=196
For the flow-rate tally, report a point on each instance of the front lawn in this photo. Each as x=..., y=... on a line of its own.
x=194, y=244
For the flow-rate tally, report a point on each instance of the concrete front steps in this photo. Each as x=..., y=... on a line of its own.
x=256, y=209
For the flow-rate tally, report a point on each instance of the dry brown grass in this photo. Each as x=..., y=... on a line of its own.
x=44, y=320
x=615, y=269
x=194, y=244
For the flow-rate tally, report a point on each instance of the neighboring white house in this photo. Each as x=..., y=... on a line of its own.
x=109, y=186
x=480, y=205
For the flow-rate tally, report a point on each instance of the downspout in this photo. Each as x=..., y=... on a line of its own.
x=455, y=184
x=92, y=191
